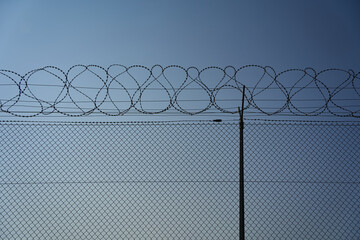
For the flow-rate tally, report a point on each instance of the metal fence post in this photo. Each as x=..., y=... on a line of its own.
x=241, y=171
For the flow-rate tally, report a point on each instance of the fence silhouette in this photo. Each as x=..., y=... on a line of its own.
x=119, y=90
x=179, y=180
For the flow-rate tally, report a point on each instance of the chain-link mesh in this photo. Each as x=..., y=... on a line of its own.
x=119, y=181
x=178, y=181
x=302, y=181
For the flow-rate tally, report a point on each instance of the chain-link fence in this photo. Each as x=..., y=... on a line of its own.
x=302, y=180
x=178, y=180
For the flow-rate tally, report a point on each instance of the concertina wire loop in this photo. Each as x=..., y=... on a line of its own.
x=100, y=84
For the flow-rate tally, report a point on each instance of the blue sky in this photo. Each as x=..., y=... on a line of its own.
x=282, y=34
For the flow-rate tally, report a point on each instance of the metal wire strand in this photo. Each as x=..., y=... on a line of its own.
x=119, y=90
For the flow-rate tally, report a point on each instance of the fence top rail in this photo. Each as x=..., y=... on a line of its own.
x=187, y=122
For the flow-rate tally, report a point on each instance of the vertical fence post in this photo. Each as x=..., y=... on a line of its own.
x=241, y=171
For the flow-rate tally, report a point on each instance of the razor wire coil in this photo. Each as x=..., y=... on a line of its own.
x=119, y=90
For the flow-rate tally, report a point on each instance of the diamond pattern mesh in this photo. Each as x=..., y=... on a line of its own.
x=178, y=180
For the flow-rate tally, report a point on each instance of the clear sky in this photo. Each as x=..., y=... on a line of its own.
x=281, y=33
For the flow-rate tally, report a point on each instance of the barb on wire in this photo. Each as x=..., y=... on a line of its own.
x=114, y=91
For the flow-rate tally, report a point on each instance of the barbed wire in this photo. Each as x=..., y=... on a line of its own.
x=119, y=90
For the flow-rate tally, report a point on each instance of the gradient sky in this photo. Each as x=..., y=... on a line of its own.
x=283, y=34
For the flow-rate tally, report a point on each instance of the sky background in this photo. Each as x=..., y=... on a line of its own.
x=282, y=34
